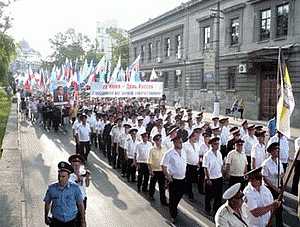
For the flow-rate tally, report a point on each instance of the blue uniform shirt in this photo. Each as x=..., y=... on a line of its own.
x=272, y=126
x=63, y=200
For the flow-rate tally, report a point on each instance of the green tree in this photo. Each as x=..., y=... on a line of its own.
x=120, y=46
x=73, y=46
x=7, y=44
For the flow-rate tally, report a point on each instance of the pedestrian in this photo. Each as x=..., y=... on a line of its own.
x=174, y=168
x=64, y=199
x=204, y=147
x=122, y=148
x=167, y=141
x=192, y=151
x=258, y=152
x=141, y=160
x=241, y=108
x=231, y=214
x=213, y=164
x=74, y=130
x=259, y=200
x=271, y=178
x=107, y=138
x=130, y=155
x=244, y=129
x=83, y=134
x=81, y=177
x=224, y=136
x=250, y=141
x=155, y=156
x=236, y=164
x=115, y=133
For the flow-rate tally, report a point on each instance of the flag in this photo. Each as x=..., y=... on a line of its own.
x=153, y=75
x=286, y=102
x=114, y=75
x=135, y=70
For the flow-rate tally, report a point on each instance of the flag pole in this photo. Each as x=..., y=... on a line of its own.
x=279, y=74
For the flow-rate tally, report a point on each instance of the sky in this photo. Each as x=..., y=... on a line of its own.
x=38, y=20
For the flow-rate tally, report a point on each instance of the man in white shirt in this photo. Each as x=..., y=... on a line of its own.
x=140, y=127
x=283, y=148
x=74, y=130
x=213, y=164
x=192, y=151
x=174, y=168
x=122, y=148
x=243, y=129
x=167, y=141
x=81, y=176
x=204, y=147
x=83, y=134
x=231, y=213
x=99, y=130
x=224, y=136
x=259, y=200
x=116, y=133
x=236, y=164
x=130, y=154
x=142, y=156
x=250, y=140
x=258, y=152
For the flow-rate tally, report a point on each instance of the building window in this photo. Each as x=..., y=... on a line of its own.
x=282, y=20
x=150, y=46
x=265, y=24
x=178, y=46
x=203, y=80
x=135, y=52
x=157, y=48
x=206, y=37
x=235, y=31
x=167, y=47
x=231, y=77
x=142, y=53
x=166, y=79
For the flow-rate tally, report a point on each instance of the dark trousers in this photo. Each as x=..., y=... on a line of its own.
x=84, y=149
x=223, y=150
x=176, y=191
x=278, y=212
x=94, y=139
x=107, y=148
x=78, y=221
x=201, y=177
x=77, y=145
x=234, y=179
x=285, y=165
x=130, y=170
x=121, y=160
x=158, y=176
x=101, y=144
x=214, y=191
x=114, y=155
x=190, y=177
x=57, y=223
x=249, y=163
x=143, y=176
x=296, y=178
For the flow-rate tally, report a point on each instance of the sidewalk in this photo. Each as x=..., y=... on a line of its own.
x=11, y=184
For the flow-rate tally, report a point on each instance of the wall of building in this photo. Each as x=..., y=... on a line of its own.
x=248, y=85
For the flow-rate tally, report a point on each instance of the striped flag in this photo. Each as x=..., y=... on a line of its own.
x=286, y=102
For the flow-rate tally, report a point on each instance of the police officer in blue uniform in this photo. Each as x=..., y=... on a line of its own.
x=65, y=200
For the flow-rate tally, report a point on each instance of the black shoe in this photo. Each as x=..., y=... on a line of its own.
x=139, y=190
x=164, y=203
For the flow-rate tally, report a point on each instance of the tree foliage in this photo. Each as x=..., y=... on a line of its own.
x=7, y=44
x=120, y=46
x=73, y=46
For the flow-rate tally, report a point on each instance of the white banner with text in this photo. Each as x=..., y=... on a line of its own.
x=127, y=89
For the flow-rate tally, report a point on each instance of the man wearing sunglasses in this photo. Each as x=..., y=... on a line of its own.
x=231, y=212
x=259, y=200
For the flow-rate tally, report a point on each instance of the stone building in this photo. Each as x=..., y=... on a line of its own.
x=183, y=45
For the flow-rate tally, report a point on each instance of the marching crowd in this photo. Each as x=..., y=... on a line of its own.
x=174, y=149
